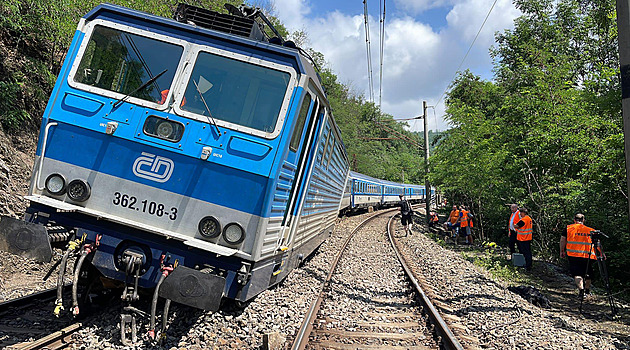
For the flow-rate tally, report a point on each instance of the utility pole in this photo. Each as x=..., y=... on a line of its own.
x=623, y=28
x=426, y=160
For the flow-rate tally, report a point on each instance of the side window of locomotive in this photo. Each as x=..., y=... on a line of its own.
x=297, y=132
x=323, y=150
x=236, y=92
x=328, y=152
x=122, y=62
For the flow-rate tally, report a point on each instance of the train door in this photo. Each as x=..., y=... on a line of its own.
x=301, y=139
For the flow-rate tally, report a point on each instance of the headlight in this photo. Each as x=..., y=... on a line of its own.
x=78, y=190
x=209, y=227
x=233, y=233
x=163, y=129
x=55, y=184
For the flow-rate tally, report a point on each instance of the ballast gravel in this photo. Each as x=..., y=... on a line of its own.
x=496, y=317
x=487, y=311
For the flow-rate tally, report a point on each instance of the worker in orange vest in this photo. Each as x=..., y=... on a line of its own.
x=434, y=219
x=452, y=224
x=576, y=245
x=524, y=229
x=465, y=223
x=514, y=218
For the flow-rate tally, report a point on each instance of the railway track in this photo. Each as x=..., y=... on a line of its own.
x=366, y=302
x=30, y=317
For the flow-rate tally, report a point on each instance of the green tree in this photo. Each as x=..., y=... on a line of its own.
x=547, y=132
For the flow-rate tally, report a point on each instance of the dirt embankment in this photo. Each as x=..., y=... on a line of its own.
x=16, y=164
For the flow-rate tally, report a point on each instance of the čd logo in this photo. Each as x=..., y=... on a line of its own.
x=151, y=167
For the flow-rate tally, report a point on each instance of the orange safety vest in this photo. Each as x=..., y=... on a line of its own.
x=513, y=220
x=454, y=216
x=164, y=95
x=524, y=233
x=434, y=218
x=464, y=221
x=579, y=242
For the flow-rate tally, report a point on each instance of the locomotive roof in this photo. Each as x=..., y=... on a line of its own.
x=141, y=19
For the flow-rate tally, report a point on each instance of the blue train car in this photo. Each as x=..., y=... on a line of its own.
x=391, y=192
x=363, y=191
x=366, y=191
x=183, y=157
x=414, y=193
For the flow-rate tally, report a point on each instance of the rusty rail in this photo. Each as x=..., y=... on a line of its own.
x=449, y=341
x=301, y=340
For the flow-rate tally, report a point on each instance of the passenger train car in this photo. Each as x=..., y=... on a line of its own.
x=363, y=191
x=195, y=156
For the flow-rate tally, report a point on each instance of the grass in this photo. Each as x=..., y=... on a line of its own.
x=497, y=265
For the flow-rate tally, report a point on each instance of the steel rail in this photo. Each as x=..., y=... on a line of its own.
x=301, y=340
x=47, y=294
x=449, y=340
x=58, y=340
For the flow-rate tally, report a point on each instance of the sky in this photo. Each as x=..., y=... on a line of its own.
x=425, y=42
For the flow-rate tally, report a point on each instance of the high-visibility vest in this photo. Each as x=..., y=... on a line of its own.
x=434, y=218
x=454, y=216
x=579, y=242
x=513, y=219
x=464, y=221
x=525, y=233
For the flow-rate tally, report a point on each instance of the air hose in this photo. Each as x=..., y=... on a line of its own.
x=87, y=249
x=72, y=246
x=165, y=271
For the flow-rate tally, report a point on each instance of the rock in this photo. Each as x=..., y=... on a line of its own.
x=273, y=341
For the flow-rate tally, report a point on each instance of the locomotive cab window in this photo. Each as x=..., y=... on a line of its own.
x=297, y=132
x=127, y=63
x=239, y=93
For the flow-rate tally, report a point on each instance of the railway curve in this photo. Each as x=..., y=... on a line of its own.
x=365, y=301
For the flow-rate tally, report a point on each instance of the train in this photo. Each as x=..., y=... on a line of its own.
x=195, y=157
x=364, y=191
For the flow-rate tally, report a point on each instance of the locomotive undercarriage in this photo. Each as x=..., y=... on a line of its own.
x=111, y=256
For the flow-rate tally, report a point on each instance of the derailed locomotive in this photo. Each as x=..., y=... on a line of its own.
x=192, y=156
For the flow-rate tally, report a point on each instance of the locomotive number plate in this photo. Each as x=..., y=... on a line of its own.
x=144, y=206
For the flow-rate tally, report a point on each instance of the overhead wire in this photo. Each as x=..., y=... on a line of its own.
x=467, y=52
x=369, y=53
x=454, y=75
x=382, y=39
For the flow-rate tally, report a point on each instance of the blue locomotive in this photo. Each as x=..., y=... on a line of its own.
x=195, y=156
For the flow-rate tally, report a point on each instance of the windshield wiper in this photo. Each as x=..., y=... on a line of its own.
x=210, y=118
x=148, y=82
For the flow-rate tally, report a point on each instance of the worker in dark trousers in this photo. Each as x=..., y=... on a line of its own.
x=514, y=218
x=524, y=230
x=576, y=245
x=405, y=214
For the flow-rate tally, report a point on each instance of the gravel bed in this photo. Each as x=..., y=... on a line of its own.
x=20, y=277
x=279, y=310
x=498, y=318
x=369, y=287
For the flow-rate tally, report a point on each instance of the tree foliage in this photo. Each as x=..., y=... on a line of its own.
x=34, y=36
x=547, y=133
